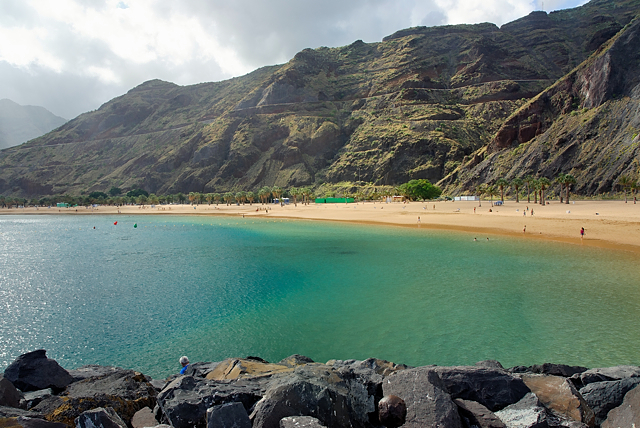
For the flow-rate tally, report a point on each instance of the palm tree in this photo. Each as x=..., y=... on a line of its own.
x=561, y=179
x=535, y=185
x=492, y=191
x=568, y=181
x=228, y=197
x=529, y=181
x=306, y=194
x=501, y=183
x=264, y=194
x=625, y=181
x=481, y=189
x=240, y=197
x=209, y=197
x=192, y=197
x=276, y=191
x=250, y=196
x=294, y=192
x=634, y=189
x=217, y=197
x=544, y=182
x=517, y=183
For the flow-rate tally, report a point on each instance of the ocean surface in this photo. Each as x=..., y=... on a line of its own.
x=219, y=287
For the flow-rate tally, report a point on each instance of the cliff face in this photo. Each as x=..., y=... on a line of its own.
x=419, y=104
x=586, y=124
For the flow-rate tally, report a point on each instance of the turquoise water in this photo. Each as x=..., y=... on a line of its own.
x=218, y=287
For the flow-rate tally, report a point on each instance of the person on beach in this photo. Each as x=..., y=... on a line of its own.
x=582, y=233
x=418, y=219
x=184, y=361
x=525, y=229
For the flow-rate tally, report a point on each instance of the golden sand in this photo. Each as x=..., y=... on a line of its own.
x=607, y=224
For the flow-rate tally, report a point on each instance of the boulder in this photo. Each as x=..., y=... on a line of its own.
x=125, y=392
x=604, y=374
x=201, y=369
x=604, y=396
x=184, y=402
x=627, y=414
x=316, y=390
x=100, y=418
x=392, y=411
x=550, y=369
x=493, y=388
x=295, y=360
x=476, y=415
x=33, y=398
x=428, y=403
x=26, y=422
x=92, y=370
x=236, y=368
x=526, y=413
x=558, y=394
x=9, y=395
x=229, y=415
x=300, y=422
x=33, y=371
x=143, y=418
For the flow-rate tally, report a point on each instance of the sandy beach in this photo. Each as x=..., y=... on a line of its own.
x=607, y=224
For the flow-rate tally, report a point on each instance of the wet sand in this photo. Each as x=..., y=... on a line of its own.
x=607, y=224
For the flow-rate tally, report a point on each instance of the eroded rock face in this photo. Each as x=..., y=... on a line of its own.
x=604, y=396
x=230, y=415
x=315, y=390
x=493, y=388
x=428, y=403
x=9, y=395
x=558, y=394
x=33, y=371
x=627, y=414
x=125, y=392
x=100, y=418
x=184, y=402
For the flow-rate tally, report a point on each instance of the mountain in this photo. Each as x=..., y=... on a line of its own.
x=23, y=123
x=441, y=103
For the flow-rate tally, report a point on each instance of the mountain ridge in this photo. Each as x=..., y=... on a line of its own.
x=419, y=104
x=19, y=124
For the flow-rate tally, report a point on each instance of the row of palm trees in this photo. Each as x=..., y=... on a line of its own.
x=533, y=184
x=264, y=195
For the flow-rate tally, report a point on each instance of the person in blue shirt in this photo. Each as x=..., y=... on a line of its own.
x=185, y=364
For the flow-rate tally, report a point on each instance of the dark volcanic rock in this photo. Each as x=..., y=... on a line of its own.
x=489, y=364
x=604, y=374
x=9, y=395
x=627, y=414
x=476, y=415
x=392, y=411
x=296, y=360
x=33, y=371
x=144, y=418
x=28, y=422
x=33, y=398
x=92, y=370
x=315, y=390
x=493, y=388
x=125, y=391
x=526, y=413
x=428, y=403
x=300, y=422
x=550, y=369
x=184, y=402
x=604, y=396
x=100, y=418
x=229, y=415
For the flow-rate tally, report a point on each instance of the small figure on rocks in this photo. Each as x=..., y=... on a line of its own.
x=184, y=360
x=392, y=411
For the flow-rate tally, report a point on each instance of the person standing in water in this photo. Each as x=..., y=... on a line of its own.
x=581, y=234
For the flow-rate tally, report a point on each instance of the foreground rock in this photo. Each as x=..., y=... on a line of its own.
x=124, y=391
x=297, y=392
x=33, y=371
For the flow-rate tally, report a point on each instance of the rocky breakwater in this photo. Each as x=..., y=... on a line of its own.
x=35, y=392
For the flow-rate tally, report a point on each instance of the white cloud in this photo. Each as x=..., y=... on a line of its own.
x=116, y=45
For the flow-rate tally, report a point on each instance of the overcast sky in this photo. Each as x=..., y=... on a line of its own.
x=71, y=56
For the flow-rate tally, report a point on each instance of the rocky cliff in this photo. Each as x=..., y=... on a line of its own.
x=423, y=103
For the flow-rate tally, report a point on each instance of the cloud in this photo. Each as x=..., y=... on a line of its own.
x=94, y=50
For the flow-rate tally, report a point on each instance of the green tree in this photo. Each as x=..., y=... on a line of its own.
x=306, y=194
x=264, y=194
x=115, y=191
x=543, y=182
x=295, y=194
x=228, y=197
x=491, y=191
x=141, y=200
x=517, y=183
x=625, y=181
x=209, y=197
x=181, y=197
x=420, y=189
x=561, y=179
x=481, y=189
x=250, y=196
x=240, y=197
x=276, y=191
x=153, y=199
x=529, y=180
x=134, y=193
x=217, y=197
x=502, y=183
x=568, y=181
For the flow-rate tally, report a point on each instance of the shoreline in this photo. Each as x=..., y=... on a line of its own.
x=610, y=225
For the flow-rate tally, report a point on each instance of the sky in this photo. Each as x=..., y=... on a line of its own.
x=71, y=56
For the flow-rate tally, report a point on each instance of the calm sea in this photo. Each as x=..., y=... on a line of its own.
x=218, y=287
